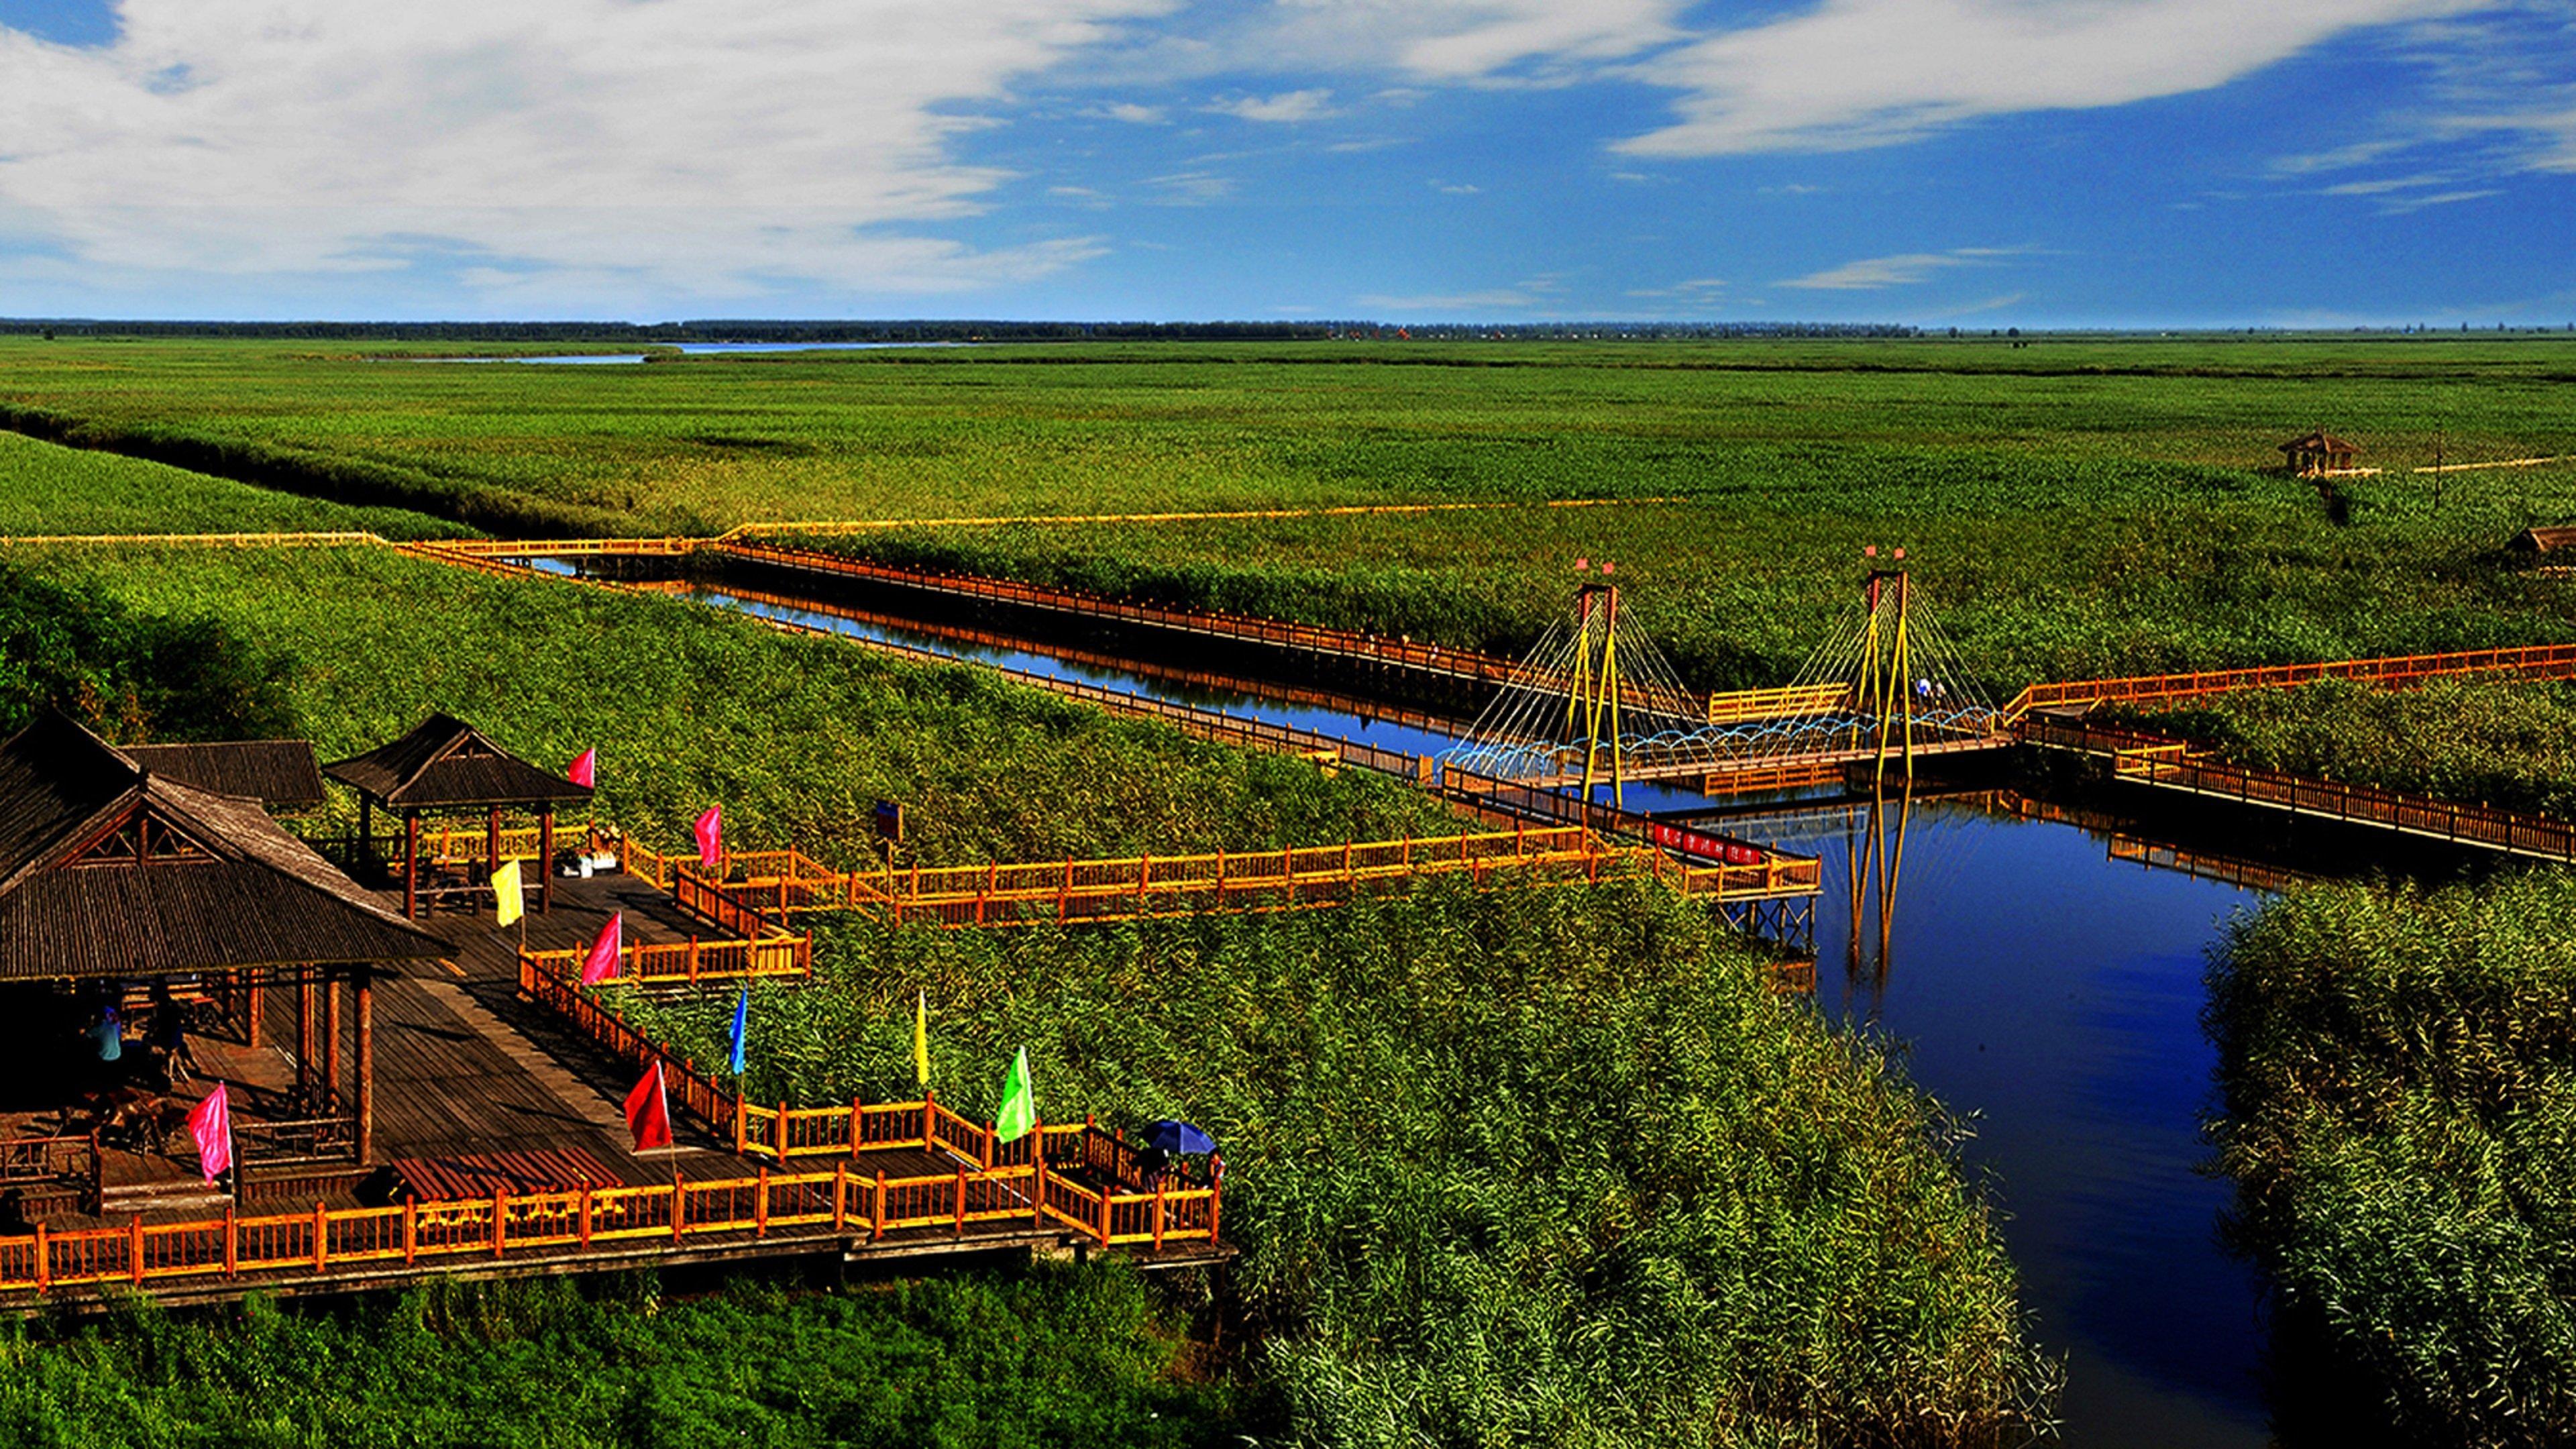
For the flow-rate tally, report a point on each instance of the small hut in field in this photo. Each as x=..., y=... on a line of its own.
x=2318, y=454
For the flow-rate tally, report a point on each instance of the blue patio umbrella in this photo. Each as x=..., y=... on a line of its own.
x=1180, y=1139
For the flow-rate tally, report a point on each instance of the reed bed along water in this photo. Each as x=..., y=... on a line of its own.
x=1554, y=1166
x=2399, y=1077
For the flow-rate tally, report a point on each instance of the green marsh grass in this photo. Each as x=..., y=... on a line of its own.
x=2399, y=1078
x=1541, y=1166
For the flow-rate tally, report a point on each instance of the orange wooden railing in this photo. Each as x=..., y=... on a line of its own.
x=1134, y=886
x=2159, y=760
x=2538, y=661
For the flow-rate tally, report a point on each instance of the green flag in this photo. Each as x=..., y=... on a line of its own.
x=1019, y=1113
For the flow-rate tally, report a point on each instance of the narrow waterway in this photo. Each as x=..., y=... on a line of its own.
x=2030, y=981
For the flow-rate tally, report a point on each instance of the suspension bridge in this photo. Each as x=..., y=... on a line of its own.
x=1595, y=704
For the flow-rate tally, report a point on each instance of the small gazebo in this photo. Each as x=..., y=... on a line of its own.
x=446, y=766
x=2318, y=454
x=112, y=874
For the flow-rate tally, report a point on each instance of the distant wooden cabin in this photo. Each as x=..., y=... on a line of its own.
x=2544, y=538
x=2318, y=454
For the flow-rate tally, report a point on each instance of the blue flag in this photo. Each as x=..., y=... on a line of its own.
x=741, y=1028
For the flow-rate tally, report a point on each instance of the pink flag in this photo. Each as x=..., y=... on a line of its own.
x=648, y=1111
x=601, y=964
x=585, y=768
x=711, y=837
x=212, y=1125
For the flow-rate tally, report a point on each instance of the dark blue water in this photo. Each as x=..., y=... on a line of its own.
x=2029, y=981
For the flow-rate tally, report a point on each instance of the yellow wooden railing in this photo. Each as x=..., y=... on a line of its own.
x=1790, y=702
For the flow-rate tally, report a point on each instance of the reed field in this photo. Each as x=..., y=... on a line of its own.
x=2075, y=507
x=2510, y=744
x=1061, y=1356
x=2399, y=1075
x=1519, y=1166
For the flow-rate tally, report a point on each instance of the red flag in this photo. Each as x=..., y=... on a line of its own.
x=711, y=837
x=212, y=1125
x=585, y=768
x=648, y=1111
x=601, y=964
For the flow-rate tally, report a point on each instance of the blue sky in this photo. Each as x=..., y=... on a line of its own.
x=1968, y=162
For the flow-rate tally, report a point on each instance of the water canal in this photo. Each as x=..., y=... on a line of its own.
x=2032, y=980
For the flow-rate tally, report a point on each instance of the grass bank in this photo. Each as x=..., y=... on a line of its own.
x=796, y=737
x=2399, y=1076
x=1551, y=1166
x=46, y=488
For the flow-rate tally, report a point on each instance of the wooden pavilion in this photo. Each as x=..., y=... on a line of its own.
x=113, y=875
x=2318, y=454
x=447, y=766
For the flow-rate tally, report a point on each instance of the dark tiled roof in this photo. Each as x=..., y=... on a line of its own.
x=245, y=893
x=281, y=774
x=447, y=762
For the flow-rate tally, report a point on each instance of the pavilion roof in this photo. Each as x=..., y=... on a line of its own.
x=109, y=869
x=2319, y=441
x=280, y=774
x=445, y=762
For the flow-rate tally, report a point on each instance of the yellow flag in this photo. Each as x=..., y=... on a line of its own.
x=509, y=897
x=921, y=1039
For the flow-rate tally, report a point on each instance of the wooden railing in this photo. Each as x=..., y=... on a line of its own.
x=318, y=1139
x=689, y=963
x=2156, y=760
x=565, y=1225
x=1739, y=706
x=1699, y=863
x=2538, y=661
x=1435, y=658
x=1117, y=1206
x=1141, y=885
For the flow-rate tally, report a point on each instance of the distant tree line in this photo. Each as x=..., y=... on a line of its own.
x=748, y=330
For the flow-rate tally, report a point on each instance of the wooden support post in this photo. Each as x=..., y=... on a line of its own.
x=256, y=995
x=321, y=1239
x=679, y=1205
x=232, y=1244
x=44, y=1259
x=1162, y=1199
x=134, y=1249
x=303, y=1040
x=546, y=860
x=841, y=1198
x=411, y=865
x=858, y=1124
x=1037, y=1178
x=961, y=1202
x=411, y=1231
x=492, y=842
x=760, y=1198
x=330, y=1042
x=589, y=1218
x=366, y=1066
x=876, y=1231
x=500, y=1221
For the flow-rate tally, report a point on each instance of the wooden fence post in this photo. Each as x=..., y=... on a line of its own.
x=840, y=1197
x=321, y=1239
x=589, y=1218
x=876, y=1230
x=44, y=1259
x=679, y=1205
x=232, y=1253
x=500, y=1220
x=961, y=1202
x=760, y=1206
x=134, y=1250
x=1162, y=1191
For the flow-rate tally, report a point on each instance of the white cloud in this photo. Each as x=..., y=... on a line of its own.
x=1133, y=114
x=682, y=148
x=1308, y=105
x=1192, y=188
x=1869, y=274
x=2399, y=205
x=2383, y=184
x=1455, y=188
x=1852, y=73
